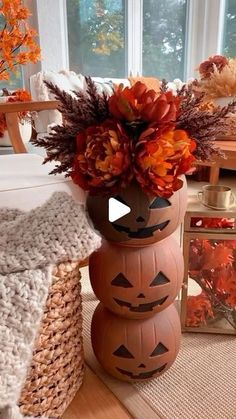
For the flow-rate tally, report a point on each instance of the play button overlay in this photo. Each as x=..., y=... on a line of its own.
x=116, y=209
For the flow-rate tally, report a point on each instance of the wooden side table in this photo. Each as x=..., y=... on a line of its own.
x=229, y=149
x=11, y=111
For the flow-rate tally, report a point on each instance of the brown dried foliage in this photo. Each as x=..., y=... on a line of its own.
x=202, y=124
x=86, y=109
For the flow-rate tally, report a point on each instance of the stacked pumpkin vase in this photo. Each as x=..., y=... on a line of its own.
x=136, y=275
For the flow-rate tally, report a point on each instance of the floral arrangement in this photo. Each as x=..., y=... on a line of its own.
x=19, y=95
x=17, y=39
x=212, y=265
x=135, y=134
x=217, y=77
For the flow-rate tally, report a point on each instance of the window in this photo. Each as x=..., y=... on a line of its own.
x=98, y=40
x=164, y=28
x=15, y=82
x=229, y=40
x=96, y=36
x=113, y=38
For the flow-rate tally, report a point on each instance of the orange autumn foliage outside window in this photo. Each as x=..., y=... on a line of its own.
x=17, y=38
x=19, y=95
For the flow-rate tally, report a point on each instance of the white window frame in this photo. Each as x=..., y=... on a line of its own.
x=204, y=29
x=205, y=24
x=49, y=19
x=134, y=36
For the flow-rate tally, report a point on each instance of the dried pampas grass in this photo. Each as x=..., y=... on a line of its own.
x=220, y=83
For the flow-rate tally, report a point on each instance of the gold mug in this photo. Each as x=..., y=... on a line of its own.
x=218, y=197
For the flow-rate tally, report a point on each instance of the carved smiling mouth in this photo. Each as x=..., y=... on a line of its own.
x=142, y=375
x=141, y=233
x=141, y=308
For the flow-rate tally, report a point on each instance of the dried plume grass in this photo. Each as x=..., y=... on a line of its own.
x=221, y=83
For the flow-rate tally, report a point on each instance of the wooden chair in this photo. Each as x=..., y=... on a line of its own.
x=11, y=111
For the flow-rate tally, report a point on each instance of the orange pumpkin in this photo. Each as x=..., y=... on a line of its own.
x=151, y=218
x=135, y=350
x=137, y=282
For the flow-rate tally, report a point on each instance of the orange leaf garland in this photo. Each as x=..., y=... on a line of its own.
x=212, y=264
x=199, y=310
x=17, y=40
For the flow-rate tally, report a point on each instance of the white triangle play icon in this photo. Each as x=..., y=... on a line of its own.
x=116, y=209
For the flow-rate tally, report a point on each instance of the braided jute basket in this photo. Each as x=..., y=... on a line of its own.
x=57, y=367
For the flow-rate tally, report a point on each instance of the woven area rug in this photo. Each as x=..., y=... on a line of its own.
x=200, y=385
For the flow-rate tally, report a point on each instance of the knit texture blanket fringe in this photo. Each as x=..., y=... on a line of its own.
x=30, y=244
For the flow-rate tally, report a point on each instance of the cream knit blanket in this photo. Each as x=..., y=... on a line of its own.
x=30, y=244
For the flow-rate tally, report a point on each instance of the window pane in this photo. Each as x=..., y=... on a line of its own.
x=96, y=37
x=164, y=27
x=229, y=42
x=16, y=77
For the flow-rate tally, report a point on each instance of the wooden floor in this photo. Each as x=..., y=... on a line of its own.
x=95, y=401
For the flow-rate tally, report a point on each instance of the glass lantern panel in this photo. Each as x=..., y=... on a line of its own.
x=211, y=289
x=213, y=223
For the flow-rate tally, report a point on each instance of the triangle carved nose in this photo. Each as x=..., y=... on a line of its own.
x=142, y=366
x=141, y=296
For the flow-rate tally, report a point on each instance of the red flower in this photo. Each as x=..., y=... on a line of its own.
x=102, y=162
x=138, y=103
x=207, y=67
x=160, y=158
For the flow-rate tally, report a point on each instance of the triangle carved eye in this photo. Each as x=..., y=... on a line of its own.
x=160, y=279
x=159, y=350
x=159, y=203
x=123, y=352
x=121, y=281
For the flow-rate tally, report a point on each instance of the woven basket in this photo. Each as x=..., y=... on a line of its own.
x=57, y=366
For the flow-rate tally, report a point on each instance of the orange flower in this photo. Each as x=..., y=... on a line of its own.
x=163, y=110
x=207, y=67
x=102, y=162
x=138, y=103
x=160, y=158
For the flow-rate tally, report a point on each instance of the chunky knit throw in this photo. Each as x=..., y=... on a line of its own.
x=30, y=244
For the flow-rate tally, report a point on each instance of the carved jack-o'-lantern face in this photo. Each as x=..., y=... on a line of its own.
x=137, y=282
x=135, y=349
x=151, y=218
